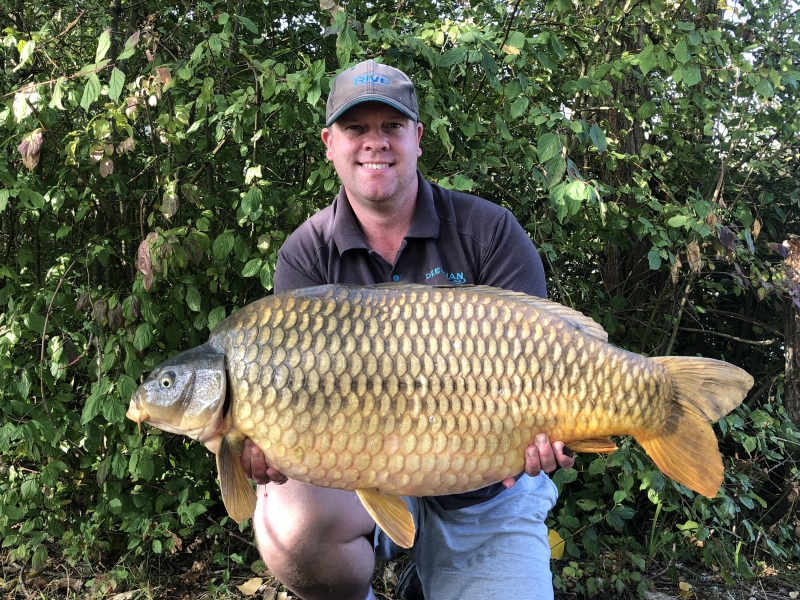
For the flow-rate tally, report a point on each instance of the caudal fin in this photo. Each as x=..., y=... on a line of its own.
x=686, y=448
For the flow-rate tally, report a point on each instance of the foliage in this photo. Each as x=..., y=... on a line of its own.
x=156, y=156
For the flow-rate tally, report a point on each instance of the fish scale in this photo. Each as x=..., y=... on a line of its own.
x=408, y=371
x=404, y=389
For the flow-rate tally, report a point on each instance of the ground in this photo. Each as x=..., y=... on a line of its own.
x=203, y=573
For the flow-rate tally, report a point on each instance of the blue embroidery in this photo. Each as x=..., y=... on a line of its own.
x=367, y=79
x=454, y=278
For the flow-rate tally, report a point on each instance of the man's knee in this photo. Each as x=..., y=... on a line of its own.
x=310, y=538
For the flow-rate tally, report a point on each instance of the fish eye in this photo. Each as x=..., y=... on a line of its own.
x=167, y=379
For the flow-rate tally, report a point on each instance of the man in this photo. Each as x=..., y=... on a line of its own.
x=389, y=224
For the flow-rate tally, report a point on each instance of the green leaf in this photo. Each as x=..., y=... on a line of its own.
x=647, y=60
x=462, y=183
x=625, y=512
x=548, y=147
x=452, y=57
x=664, y=61
x=251, y=27
x=516, y=39
x=654, y=259
x=34, y=322
x=678, y=221
x=691, y=75
x=574, y=195
x=58, y=94
x=116, y=84
x=143, y=336
x=215, y=317
x=94, y=403
x=314, y=94
x=646, y=110
x=252, y=267
x=618, y=302
x=103, y=45
x=91, y=91
x=598, y=138
x=555, y=168
x=681, y=52
x=251, y=203
x=223, y=245
x=126, y=386
x=28, y=46
x=598, y=466
x=764, y=88
x=193, y=300
x=519, y=106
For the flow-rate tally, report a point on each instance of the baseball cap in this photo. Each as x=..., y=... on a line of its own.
x=367, y=81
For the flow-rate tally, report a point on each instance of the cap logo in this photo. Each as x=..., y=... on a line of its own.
x=375, y=79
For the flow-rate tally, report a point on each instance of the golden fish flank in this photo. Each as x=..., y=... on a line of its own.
x=416, y=390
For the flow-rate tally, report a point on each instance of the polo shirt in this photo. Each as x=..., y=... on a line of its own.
x=454, y=239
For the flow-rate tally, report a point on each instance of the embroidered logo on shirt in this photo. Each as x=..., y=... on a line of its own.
x=454, y=278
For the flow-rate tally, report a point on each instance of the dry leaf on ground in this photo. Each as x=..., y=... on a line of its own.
x=250, y=587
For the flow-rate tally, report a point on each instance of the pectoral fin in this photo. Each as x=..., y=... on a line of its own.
x=237, y=493
x=391, y=514
x=601, y=445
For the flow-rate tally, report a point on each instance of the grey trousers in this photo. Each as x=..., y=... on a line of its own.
x=491, y=550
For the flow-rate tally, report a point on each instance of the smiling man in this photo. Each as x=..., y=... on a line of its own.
x=389, y=224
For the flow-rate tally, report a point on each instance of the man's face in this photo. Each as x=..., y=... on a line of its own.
x=374, y=149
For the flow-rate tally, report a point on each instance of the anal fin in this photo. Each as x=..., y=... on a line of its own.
x=391, y=514
x=600, y=445
x=237, y=493
x=687, y=450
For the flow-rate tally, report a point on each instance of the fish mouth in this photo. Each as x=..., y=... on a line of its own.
x=136, y=413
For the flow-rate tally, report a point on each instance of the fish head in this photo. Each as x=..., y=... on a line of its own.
x=185, y=394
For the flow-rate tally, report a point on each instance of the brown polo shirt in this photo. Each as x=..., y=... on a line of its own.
x=454, y=239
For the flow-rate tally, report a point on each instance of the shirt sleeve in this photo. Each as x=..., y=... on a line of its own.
x=291, y=273
x=511, y=261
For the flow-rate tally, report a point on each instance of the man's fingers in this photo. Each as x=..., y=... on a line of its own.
x=276, y=476
x=564, y=456
x=533, y=465
x=547, y=456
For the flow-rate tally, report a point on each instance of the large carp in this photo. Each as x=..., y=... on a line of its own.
x=401, y=389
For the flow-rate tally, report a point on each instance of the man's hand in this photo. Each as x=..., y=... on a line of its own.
x=256, y=468
x=544, y=456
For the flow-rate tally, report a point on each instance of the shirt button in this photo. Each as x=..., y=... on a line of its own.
x=396, y=278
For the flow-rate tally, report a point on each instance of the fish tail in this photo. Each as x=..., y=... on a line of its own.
x=686, y=448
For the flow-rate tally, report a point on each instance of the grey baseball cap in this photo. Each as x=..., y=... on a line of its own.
x=368, y=81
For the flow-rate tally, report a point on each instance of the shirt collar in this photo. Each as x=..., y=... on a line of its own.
x=347, y=232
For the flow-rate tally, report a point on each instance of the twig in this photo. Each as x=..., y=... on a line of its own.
x=503, y=43
x=561, y=290
x=232, y=534
x=688, y=289
x=75, y=362
x=731, y=337
x=760, y=391
x=22, y=582
x=41, y=355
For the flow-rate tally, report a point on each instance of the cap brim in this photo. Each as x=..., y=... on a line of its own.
x=370, y=98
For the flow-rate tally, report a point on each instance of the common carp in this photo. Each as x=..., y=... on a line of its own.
x=404, y=389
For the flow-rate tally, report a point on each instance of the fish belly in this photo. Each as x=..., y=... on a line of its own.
x=425, y=391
